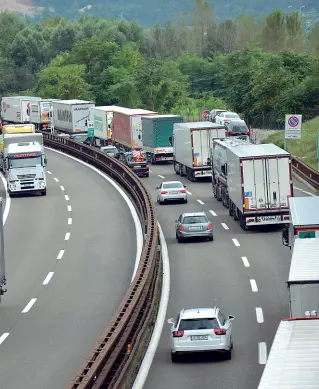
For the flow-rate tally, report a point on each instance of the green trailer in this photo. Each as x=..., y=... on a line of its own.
x=157, y=132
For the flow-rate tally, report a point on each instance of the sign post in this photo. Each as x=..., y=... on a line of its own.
x=205, y=114
x=292, y=128
x=90, y=129
x=318, y=151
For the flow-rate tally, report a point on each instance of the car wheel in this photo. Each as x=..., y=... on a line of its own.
x=185, y=201
x=147, y=175
x=228, y=355
x=179, y=240
x=211, y=238
x=174, y=357
x=232, y=344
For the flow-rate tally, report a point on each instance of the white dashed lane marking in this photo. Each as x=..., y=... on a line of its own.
x=67, y=236
x=69, y=221
x=189, y=193
x=49, y=172
x=55, y=179
x=236, y=243
x=262, y=353
x=62, y=188
x=48, y=278
x=200, y=202
x=213, y=213
x=225, y=226
x=245, y=260
x=3, y=337
x=253, y=285
x=69, y=208
x=67, y=198
x=60, y=255
x=29, y=305
x=160, y=176
x=259, y=315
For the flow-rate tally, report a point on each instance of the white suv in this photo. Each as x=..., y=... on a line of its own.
x=201, y=329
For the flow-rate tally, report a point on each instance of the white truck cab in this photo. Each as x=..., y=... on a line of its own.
x=24, y=168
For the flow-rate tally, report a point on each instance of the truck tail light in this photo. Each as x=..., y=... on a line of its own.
x=209, y=227
x=183, y=191
x=164, y=192
x=181, y=228
x=146, y=166
x=220, y=331
x=178, y=334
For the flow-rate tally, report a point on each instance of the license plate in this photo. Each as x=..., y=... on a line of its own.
x=173, y=192
x=195, y=228
x=270, y=218
x=137, y=166
x=199, y=337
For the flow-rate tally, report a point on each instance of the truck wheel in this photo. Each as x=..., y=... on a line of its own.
x=181, y=170
x=215, y=190
x=235, y=213
x=243, y=223
x=153, y=162
x=218, y=196
x=176, y=170
x=190, y=175
x=230, y=208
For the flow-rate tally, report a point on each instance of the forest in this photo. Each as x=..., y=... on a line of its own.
x=261, y=69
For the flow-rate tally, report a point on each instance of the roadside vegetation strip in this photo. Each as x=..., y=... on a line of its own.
x=113, y=356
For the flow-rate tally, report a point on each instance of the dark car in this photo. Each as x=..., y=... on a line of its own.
x=136, y=161
x=237, y=127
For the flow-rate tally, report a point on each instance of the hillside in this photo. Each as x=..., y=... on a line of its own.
x=150, y=12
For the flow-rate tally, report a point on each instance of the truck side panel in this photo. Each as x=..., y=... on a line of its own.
x=149, y=132
x=183, y=146
x=62, y=116
x=81, y=114
x=2, y=259
x=121, y=131
x=164, y=130
x=303, y=297
x=10, y=109
x=234, y=179
x=99, y=118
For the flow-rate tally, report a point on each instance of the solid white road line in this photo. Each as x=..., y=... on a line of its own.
x=189, y=193
x=150, y=171
x=160, y=320
x=62, y=188
x=67, y=236
x=245, y=260
x=259, y=315
x=253, y=285
x=262, y=353
x=48, y=278
x=69, y=208
x=236, y=243
x=60, y=255
x=69, y=220
x=160, y=176
x=225, y=226
x=8, y=199
x=305, y=192
x=3, y=337
x=136, y=220
x=200, y=202
x=213, y=213
x=66, y=197
x=56, y=179
x=49, y=172
x=29, y=305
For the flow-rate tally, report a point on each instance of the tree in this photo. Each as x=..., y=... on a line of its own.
x=274, y=32
x=295, y=31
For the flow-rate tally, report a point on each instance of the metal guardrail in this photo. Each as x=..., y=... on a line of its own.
x=305, y=172
x=115, y=359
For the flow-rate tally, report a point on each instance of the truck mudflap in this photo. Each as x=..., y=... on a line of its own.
x=202, y=173
x=259, y=220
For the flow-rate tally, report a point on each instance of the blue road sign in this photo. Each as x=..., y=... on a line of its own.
x=293, y=121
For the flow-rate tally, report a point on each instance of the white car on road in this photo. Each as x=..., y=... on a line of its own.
x=224, y=118
x=201, y=330
x=171, y=191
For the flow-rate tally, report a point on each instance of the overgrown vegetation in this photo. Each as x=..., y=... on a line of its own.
x=259, y=68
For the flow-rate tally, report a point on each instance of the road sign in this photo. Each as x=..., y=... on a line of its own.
x=205, y=114
x=293, y=126
x=90, y=128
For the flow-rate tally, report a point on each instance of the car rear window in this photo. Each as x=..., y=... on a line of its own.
x=231, y=115
x=240, y=128
x=110, y=150
x=195, y=219
x=198, y=324
x=173, y=185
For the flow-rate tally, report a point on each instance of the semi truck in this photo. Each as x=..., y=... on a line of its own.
x=304, y=220
x=253, y=181
x=41, y=113
x=70, y=116
x=3, y=281
x=127, y=127
x=192, y=148
x=102, y=118
x=303, y=281
x=24, y=168
x=15, y=129
x=16, y=109
x=157, y=134
x=293, y=361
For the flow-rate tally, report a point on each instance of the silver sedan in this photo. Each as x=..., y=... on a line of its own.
x=171, y=191
x=193, y=225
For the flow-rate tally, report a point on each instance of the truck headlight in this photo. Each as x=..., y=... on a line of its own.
x=12, y=186
x=42, y=184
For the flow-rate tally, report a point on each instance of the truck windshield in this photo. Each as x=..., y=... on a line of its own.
x=24, y=162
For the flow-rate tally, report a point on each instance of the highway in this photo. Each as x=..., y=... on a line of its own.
x=67, y=271
x=242, y=272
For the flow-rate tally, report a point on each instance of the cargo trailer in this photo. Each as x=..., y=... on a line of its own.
x=16, y=109
x=253, y=181
x=158, y=136
x=41, y=113
x=192, y=148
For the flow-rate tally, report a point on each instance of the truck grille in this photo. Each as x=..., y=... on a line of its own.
x=27, y=184
x=25, y=176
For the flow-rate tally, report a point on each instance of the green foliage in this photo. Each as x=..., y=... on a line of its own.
x=260, y=68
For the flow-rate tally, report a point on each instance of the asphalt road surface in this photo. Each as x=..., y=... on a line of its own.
x=67, y=271
x=243, y=272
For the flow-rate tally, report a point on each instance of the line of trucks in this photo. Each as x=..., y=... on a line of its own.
x=254, y=182
x=293, y=361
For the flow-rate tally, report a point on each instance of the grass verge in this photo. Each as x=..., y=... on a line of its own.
x=304, y=148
